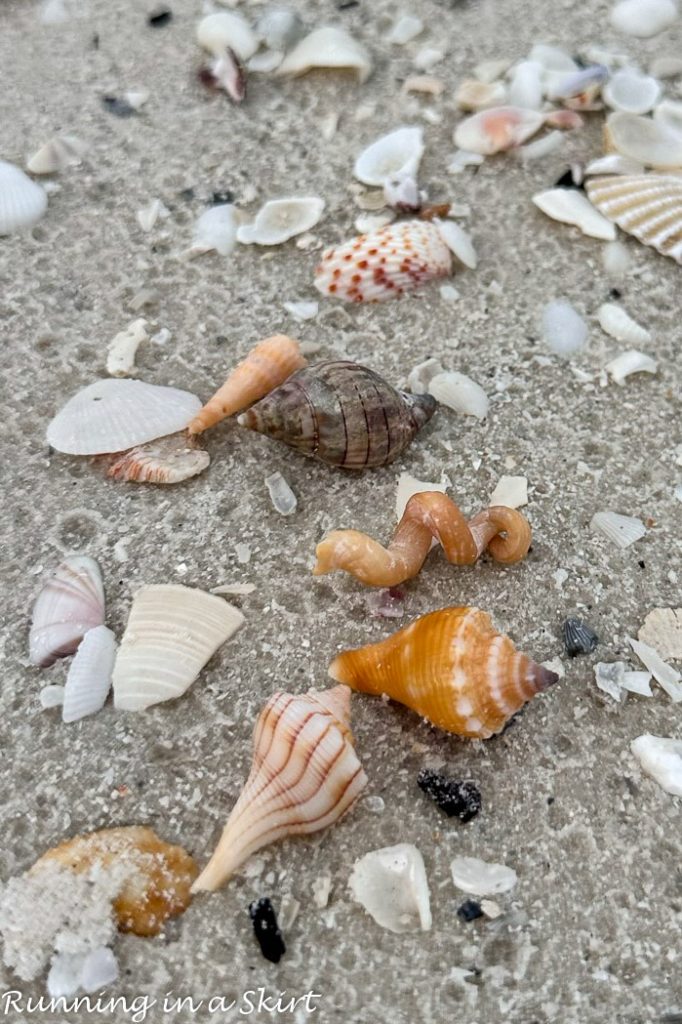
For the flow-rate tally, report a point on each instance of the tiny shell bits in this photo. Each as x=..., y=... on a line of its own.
x=341, y=413
x=70, y=604
x=172, y=632
x=451, y=667
x=266, y=366
x=647, y=206
x=305, y=776
x=385, y=263
x=168, y=460
x=428, y=516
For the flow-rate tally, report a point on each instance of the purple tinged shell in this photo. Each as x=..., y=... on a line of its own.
x=70, y=604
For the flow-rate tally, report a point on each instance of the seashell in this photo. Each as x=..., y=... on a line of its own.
x=148, y=215
x=525, y=86
x=99, y=969
x=480, y=877
x=328, y=47
x=669, y=114
x=265, y=367
x=265, y=61
x=615, y=322
x=541, y=147
x=662, y=629
x=614, y=163
x=395, y=155
x=227, y=72
x=155, y=876
x=620, y=530
x=281, y=495
x=52, y=696
x=341, y=413
x=458, y=242
x=22, y=201
x=428, y=516
x=227, y=30
x=429, y=85
x=114, y=415
x=122, y=349
x=666, y=67
x=89, y=678
x=281, y=219
x=628, y=363
x=564, y=330
x=510, y=491
x=279, y=28
x=497, y=129
x=643, y=18
x=305, y=776
x=661, y=759
x=421, y=376
x=172, y=632
x=385, y=263
x=391, y=885
x=472, y=95
x=665, y=675
x=631, y=91
x=637, y=682
x=490, y=70
x=569, y=206
x=60, y=153
x=402, y=193
x=90, y=971
x=459, y=393
x=70, y=604
x=552, y=58
x=643, y=139
x=583, y=85
x=451, y=667
x=463, y=158
x=168, y=460
x=616, y=260
x=405, y=29
x=302, y=310
x=578, y=638
x=215, y=231
x=566, y=120
x=648, y=206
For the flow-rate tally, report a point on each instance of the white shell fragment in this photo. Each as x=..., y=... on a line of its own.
x=458, y=242
x=631, y=91
x=51, y=697
x=569, y=206
x=661, y=758
x=648, y=142
x=616, y=260
x=643, y=18
x=113, y=415
x=481, y=878
x=328, y=47
x=70, y=603
x=22, y=201
x=563, y=329
x=609, y=677
x=620, y=530
x=149, y=214
x=499, y=128
x=421, y=375
x=215, y=231
x=281, y=219
x=525, y=87
x=225, y=29
x=406, y=28
x=472, y=95
x=395, y=155
x=302, y=310
x=628, y=363
x=281, y=495
x=664, y=674
x=279, y=28
x=459, y=393
x=511, y=491
x=613, y=163
x=669, y=114
x=637, y=682
x=60, y=153
x=122, y=350
x=172, y=632
x=391, y=885
x=541, y=147
x=615, y=322
x=553, y=58
x=100, y=968
x=408, y=485
x=89, y=679
x=662, y=629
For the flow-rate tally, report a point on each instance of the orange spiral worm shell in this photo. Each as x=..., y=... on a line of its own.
x=452, y=667
x=428, y=515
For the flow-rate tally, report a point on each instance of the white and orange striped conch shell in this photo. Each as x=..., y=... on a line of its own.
x=452, y=667
x=305, y=776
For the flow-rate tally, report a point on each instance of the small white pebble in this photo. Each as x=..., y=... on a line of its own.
x=52, y=696
x=282, y=497
x=449, y=293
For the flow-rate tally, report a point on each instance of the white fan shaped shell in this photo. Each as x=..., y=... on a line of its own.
x=22, y=202
x=620, y=530
x=70, y=604
x=172, y=632
x=281, y=219
x=89, y=679
x=328, y=47
x=113, y=415
x=217, y=32
x=396, y=154
x=391, y=885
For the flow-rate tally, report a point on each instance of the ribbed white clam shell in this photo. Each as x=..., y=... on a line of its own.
x=328, y=47
x=113, y=415
x=650, y=142
x=631, y=91
x=395, y=155
x=661, y=758
x=648, y=206
x=56, y=155
x=89, y=679
x=620, y=530
x=569, y=206
x=618, y=324
x=22, y=202
x=391, y=885
x=281, y=219
x=225, y=29
x=70, y=604
x=172, y=632
x=630, y=362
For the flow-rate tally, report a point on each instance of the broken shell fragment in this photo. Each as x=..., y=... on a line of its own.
x=661, y=759
x=22, y=201
x=89, y=679
x=281, y=219
x=122, y=349
x=643, y=18
x=650, y=142
x=279, y=28
x=648, y=206
x=281, y=495
x=168, y=460
x=499, y=128
x=613, y=163
x=458, y=242
x=563, y=328
x=391, y=885
x=526, y=85
x=627, y=363
x=305, y=777
x=60, y=153
x=510, y=491
x=472, y=95
x=328, y=47
x=631, y=91
x=172, y=632
x=665, y=675
x=662, y=630
x=70, y=604
x=615, y=322
x=569, y=206
x=215, y=231
x=394, y=155
x=459, y=393
x=481, y=878
x=620, y=530
x=227, y=30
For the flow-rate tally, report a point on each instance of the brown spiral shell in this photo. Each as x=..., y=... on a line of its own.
x=341, y=413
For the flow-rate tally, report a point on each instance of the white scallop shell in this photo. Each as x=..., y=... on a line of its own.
x=620, y=530
x=569, y=206
x=172, y=632
x=459, y=393
x=58, y=154
x=525, y=87
x=114, y=415
x=631, y=91
x=70, y=603
x=22, y=202
x=458, y=242
x=650, y=142
x=630, y=362
x=328, y=47
x=661, y=758
x=499, y=128
x=391, y=885
x=615, y=322
x=648, y=206
x=281, y=219
x=643, y=18
x=89, y=679
x=225, y=29
x=215, y=231
x=395, y=155
x=480, y=877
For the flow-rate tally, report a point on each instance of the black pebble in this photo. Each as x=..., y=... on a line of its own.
x=120, y=108
x=457, y=799
x=579, y=638
x=266, y=929
x=567, y=181
x=615, y=293
x=469, y=911
x=160, y=17
x=224, y=196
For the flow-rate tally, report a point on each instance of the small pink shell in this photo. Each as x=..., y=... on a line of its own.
x=384, y=264
x=70, y=603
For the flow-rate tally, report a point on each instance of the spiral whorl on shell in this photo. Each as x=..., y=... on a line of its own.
x=452, y=667
x=428, y=515
x=341, y=413
x=305, y=776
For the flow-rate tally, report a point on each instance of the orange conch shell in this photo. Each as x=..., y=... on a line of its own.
x=266, y=367
x=450, y=666
x=305, y=776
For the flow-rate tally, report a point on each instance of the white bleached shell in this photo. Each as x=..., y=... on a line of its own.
x=613, y=163
x=281, y=495
x=665, y=675
x=409, y=485
x=391, y=885
x=89, y=678
x=149, y=214
x=662, y=629
x=114, y=415
x=64, y=977
x=265, y=61
x=569, y=206
x=279, y=28
x=582, y=87
x=490, y=70
x=615, y=322
x=58, y=154
x=167, y=460
x=427, y=58
x=405, y=29
x=637, y=682
x=563, y=329
x=122, y=349
x=525, y=87
x=215, y=231
x=609, y=677
x=225, y=29
x=460, y=393
x=669, y=114
x=661, y=758
x=620, y=530
x=650, y=142
x=281, y=219
x=643, y=18
x=552, y=58
x=458, y=242
x=628, y=363
x=421, y=375
x=402, y=193
x=481, y=878
x=394, y=155
x=499, y=128
x=70, y=603
x=541, y=147
x=22, y=202
x=302, y=310
x=666, y=66
x=328, y=47
x=648, y=206
x=172, y=632
x=463, y=158
x=52, y=696
x=631, y=91
x=511, y=491
x=100, y=968
x=472, y=95
x=616, y=259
